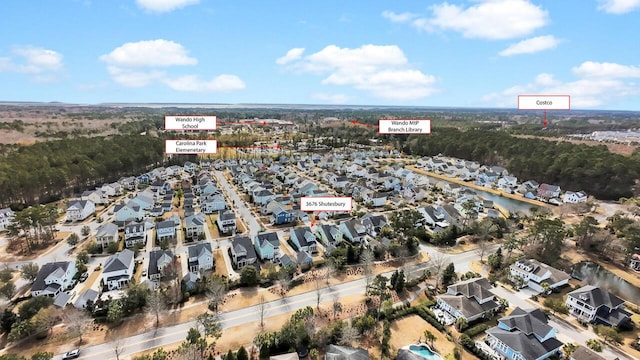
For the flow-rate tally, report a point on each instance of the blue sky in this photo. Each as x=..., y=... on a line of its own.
x=474, y=53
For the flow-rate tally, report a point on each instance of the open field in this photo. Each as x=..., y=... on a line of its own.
x=621, y=149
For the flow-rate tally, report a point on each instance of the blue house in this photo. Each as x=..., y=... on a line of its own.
x=144, y=179
x=280, y=216
x=267, y=246
x=524, y=335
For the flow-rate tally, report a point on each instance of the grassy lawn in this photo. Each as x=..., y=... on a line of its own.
x=213, y=228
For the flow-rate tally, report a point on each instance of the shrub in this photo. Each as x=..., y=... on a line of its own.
x=475, y=330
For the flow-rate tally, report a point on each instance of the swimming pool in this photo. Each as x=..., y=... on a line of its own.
x=425, y=352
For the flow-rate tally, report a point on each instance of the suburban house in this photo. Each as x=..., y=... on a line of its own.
x=145, y=200
x=593, y=304
x=534, y=274
x=226, y=221
x=634, y=263
x=213, y=204
x=134, y=233
x=280, y=215
x=85, y=297
x=304, y=239
x=158, y=259
x=106, y=234
x=584, y=353
x=129, y=212
x=267, y=246
x=547, y=191
x=96, y=196
x=470, y=299
x=242, y=251
x=194, y=226
x=165, y=230
x=328, y=234
x=53, y=278
x=353, y=230
x=508, y=182
x=524, y=335
x=373, y=223
x=528, y=186
x=6, y=216
x=263, y=196
x=574, y=197
x=118, y=270
x=433, y=216
x=79, y=210
x=304, y=259
x=376, y=199
x=129, y=183
x=200, y=257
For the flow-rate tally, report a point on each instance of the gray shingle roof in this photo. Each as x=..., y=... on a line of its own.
x=119, y=261
x=478, y=288
x=46, y=270
x=528, y=321
x=108, y=229
x=243, y=244
x=596, y=297
x=270, y=237
x=583, y=353
x=527, y=345
x=199, y=249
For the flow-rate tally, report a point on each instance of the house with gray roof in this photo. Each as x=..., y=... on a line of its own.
x=353, y=230
x=134, y=233
x=242, y=251
x=165, y=230
x=6, y=216
x=267, y=246
x=471, y=299
x=85, y=297
x=596, y=305
x=106, y=234
x=200, y=257
x=80, y=209
x=194, y=226
x=158, y=260
x=53, y=278
x=328, y=234
x=524, y=335
x=118, y=270
x=226, y=221
x=583, y=353
x=535, y=274
x=373, y=223
x=304, y=239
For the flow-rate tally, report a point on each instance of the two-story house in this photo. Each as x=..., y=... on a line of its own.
x=129, y=212
x=524, y=335
x=280, y=215
x=353, y=231
x=97, y=196
x=134, y=233
x=534, y=274
x=573, y=197
x=547, y=191
x=158, y=260
x=118, y=270
x=112, y=189
x=6, y=217
x=129, y=183
x=373, y=223
x=226, y=221
x=165, y=230
x=304, y=239
x=263, y=196
x=242, y=252
x=79, y=210
x=267, y=246
x=194, y=226
x=471, y=299
x=53, y=278
x=106, y=234
x=200, y=257
x=596, y=305
x=213, y=204
x=328, y=234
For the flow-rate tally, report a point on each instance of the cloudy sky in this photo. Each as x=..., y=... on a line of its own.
x=473, y=53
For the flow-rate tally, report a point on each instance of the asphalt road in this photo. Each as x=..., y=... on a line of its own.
x=245, y=213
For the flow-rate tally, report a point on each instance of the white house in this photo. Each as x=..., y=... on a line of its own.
x=53, y=278
x=134, y=233
x=194, y=226
x=593, y=304
x=226, y=221
x=96, y=196
x=79, y=210
x=470, y=299
x=353, y=230
x=158, y=260
x=534, y=274
x=213, y=205
x=574, y=197
x=129, y=212
x=107, y=233
x=118, y=270
x=165, y=230
x=113, y=189
x=200, y=257
x=6, y=216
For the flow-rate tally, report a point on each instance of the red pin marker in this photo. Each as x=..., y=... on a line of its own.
x=354, y=122
x=544, y=122
x=264, y=123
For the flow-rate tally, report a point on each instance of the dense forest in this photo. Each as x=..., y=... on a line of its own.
x=50, y=170
x=574, y=167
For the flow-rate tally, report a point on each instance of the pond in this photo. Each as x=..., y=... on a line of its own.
x=596, y=275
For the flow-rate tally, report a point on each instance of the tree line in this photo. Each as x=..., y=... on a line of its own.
x=573, y=167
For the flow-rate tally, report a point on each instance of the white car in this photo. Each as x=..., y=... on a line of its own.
x=71, y=354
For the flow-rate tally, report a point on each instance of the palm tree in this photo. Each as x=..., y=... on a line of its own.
x=461, y=324
x=428, y=336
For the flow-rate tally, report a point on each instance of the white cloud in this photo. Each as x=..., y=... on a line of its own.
x=590, y=69
x=41, y=65
x=531, y=46
x=398, y=17
x=597, y=85
x=192, y=83
x=161, y=6
x=381, y=70
x=618, y=6
x=486, y=19
x=151, y=53
x=293, y=54
x=331, y=98
x=136, y=64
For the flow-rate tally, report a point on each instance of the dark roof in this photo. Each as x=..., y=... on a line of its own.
x=133, y=227
x=303, y=257
x=468, y=307
x=167, y=224
x=478, y=288
x=45, y=271
x=286, y=260
x=596, y=297
x=243, y=244
x=583, y=353
x=300, y=234
x=118, y=261
x=354, y=227
x=335, y=352
x=528, y=321
x=271, y=237
x=154, y=256
x=375, y=220
x=527, y=345
x=264, y=193
x=81, y=204
x=199, y=249
x=227, y=215
x=326, y=230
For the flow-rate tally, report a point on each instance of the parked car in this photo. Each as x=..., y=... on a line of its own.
x=83, y=277
x=73, y=354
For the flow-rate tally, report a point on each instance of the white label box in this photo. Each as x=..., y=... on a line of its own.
x=325, y=203
x=544, y=102
x=404, y=126
x=191, y=146
x=190, y=122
